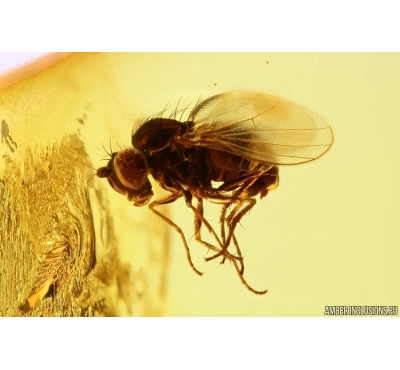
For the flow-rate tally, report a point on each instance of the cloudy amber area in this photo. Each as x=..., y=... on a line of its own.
x=63, y=253
x=328, y=235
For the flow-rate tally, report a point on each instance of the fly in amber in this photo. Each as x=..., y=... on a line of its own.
x=237, y=139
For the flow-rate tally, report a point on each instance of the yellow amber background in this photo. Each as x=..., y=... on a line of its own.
x=328, y=235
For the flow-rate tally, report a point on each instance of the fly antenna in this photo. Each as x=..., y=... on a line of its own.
x=92, y=168
x=90, y=179
x=87, y=165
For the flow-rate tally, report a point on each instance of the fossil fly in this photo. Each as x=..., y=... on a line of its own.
x=236, y=139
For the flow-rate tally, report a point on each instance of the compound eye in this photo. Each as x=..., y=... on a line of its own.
x=131, y=168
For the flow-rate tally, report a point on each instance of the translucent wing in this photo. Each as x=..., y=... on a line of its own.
x=261, y=127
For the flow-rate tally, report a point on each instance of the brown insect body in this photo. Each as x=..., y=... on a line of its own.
x=236, y=139
x=177, y=166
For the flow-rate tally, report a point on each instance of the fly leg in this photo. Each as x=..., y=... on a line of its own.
x=239, y=253
x=236, y=261
x=166, y=200
x=222, y=219
x=239, y=197
x=259, y=184
x=197, y=226
x=244, y=282
x=235, y=217
x=198, y=221
x=225, y=202
x=231, y=221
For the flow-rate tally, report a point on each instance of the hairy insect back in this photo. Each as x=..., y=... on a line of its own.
x=156, y=134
